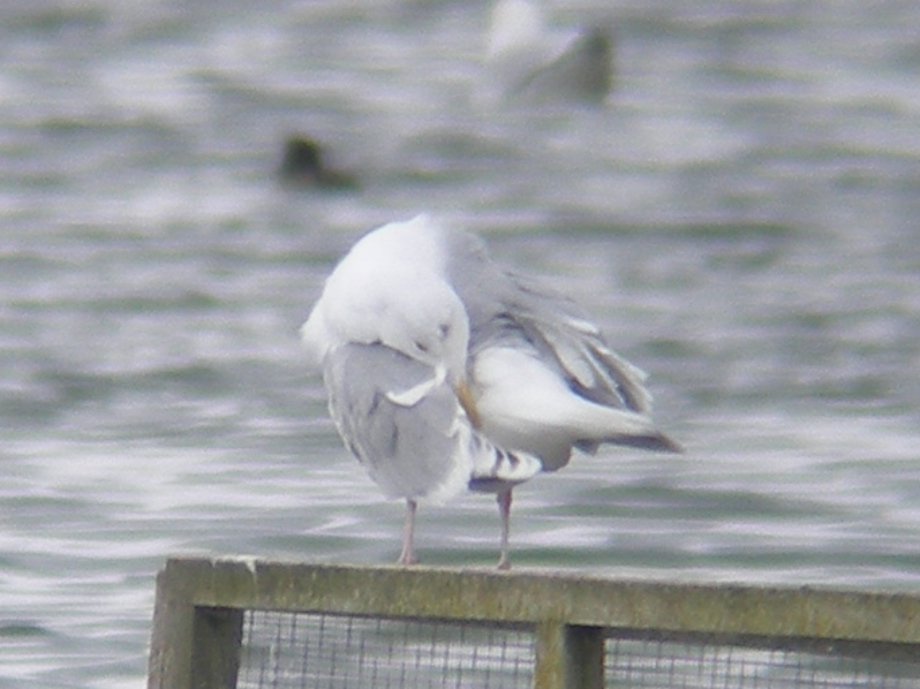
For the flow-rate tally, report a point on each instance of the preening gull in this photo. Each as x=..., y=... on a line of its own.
x=444, y=372
x=527, y=61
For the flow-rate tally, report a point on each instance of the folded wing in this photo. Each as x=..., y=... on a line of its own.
x=413, y=446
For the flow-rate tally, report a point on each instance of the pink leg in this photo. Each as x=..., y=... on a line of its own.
x=407, y=556
x=504, y=511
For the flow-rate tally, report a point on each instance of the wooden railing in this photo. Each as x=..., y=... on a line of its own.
x=199, y=620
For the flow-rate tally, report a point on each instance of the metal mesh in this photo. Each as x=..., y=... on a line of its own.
x=682, y=665
x=297, y=650
x=294, y=651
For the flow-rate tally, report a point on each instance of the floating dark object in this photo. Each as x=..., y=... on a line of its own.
x=303, y=165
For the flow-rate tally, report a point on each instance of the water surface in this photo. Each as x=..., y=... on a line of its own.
x=740, y=218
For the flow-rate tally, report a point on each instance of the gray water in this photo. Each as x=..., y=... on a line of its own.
x=741, y=218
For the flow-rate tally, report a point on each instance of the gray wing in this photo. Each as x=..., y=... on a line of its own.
x=408, y=451
x=427, y=449
x=583, y=72
x=557, y=326
x=503, y=306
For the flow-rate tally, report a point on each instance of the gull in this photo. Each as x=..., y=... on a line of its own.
x=444, y=372
x=526, y=61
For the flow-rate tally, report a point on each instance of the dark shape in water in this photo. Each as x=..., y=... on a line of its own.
x=303, y=166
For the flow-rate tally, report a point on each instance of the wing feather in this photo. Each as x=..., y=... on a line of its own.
x=406, y=425
x=557, y=326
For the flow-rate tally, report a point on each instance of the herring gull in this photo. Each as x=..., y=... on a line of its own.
x=526, y=61
x=445, y=372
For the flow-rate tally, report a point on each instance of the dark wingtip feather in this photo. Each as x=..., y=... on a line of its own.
x=656, y=442
x=668, y=444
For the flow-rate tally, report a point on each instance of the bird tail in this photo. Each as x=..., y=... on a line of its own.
x=495, y=469
x=655, y=441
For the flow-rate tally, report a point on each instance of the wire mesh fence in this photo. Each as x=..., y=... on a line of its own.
x=710, y=664
x=296, y=651
x=319, y=651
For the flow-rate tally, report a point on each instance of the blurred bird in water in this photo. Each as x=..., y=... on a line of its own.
x=527, y=62
x=303, y=165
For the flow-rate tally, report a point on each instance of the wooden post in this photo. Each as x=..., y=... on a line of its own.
x=170, y=665
x=218, y=634
x=568, y=657
x=192, y=647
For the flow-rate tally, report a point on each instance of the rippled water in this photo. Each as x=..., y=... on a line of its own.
x=741, y=218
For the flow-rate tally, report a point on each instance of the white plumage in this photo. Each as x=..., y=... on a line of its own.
x=444, y=372
x=527, y=61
